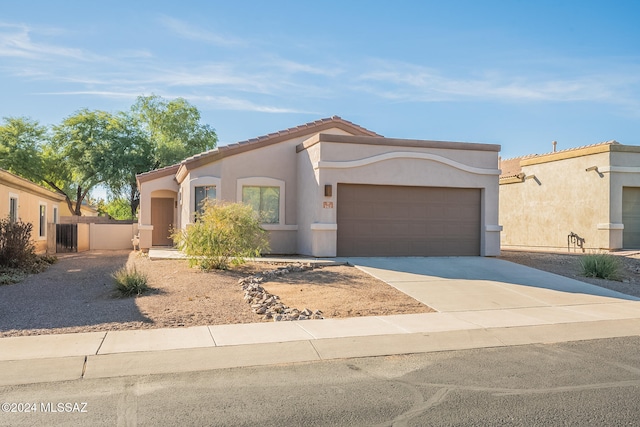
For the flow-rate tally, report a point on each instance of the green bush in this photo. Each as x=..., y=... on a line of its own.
x=16, y=247
x=9, y=276
x=224, y=233
x=602, y=265
x=130, y=282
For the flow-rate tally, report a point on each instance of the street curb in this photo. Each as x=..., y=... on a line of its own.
x=16, y=372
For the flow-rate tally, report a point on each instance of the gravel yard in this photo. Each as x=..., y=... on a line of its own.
x=76, y=295
x=568, y=264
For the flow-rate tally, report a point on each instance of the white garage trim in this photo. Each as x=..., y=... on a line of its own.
x=403, y=155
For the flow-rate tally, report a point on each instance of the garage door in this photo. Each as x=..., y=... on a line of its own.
x=376, y=220
x=631, y=217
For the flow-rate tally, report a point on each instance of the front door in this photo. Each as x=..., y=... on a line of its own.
x=162, y=220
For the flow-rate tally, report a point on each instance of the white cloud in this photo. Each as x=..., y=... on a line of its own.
x=16, y=41
x=410, y=82
x=219, y=102
x=191, y=32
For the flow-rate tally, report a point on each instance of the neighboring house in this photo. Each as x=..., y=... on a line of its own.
x=581, y=198
x=85, y=210
x=23, y=200
x=332, y=188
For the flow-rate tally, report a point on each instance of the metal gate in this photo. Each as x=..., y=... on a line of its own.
x=66, y=238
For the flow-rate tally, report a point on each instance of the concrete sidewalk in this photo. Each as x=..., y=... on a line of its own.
x=481, y=304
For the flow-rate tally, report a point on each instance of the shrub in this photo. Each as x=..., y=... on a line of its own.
x=16, y=248
x=602, y=265
x=130, y=282
x=224, y=233
x=9, y=276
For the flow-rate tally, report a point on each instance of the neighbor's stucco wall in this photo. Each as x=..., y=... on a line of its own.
x=557, y=198
x=111, y=236
x=29, y=202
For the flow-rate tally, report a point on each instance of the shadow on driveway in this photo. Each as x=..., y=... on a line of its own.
x=76, y=291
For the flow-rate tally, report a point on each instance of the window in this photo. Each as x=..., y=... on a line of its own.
x=42, y=232
x=55, y=214
x=265, y=201
x=202, y=193
x=13, y=208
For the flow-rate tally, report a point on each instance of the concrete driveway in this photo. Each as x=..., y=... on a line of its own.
x=456, y=284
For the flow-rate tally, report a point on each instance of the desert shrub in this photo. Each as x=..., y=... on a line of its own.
x=223, y=234
x=17, y=253
x=10, y=276
x=130, y=282
x=602, y=265
x=16, y=247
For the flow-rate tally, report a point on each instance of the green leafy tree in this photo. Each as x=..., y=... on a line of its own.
x=95, y=147
x=118, y=208
x=224, y=233
x=154, y=134
x=21, y=142
x=81, y=155
x=173, y=128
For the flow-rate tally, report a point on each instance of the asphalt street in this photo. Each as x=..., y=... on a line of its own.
x=578, y=383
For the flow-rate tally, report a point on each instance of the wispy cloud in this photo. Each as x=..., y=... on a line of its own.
x=98, y=93
x=408, y=82
x=224, y=102
x=219, y=102
x=191, y=32
x=17, y=41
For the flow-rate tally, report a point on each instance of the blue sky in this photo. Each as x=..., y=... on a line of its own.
x=515, y=73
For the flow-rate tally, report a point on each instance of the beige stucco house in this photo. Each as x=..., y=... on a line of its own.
x=581, y=198
x=332, y=188
x=23, y=200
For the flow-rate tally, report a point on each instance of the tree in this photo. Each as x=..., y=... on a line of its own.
x=118, y=208
x=174, y=129
x=95, y=147
x=21, y=141
x=156, y=133
x=81, y=155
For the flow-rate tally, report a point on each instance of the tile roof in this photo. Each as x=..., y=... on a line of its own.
x=292, y=132
x=258, y=142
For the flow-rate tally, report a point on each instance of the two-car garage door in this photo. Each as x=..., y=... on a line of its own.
x=379, y=220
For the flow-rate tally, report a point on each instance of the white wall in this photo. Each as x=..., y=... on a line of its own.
x=111, y=236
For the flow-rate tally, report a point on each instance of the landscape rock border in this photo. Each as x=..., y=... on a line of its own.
x=269, y=305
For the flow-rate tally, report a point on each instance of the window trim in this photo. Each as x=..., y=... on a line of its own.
x=42, y=221
x=201, y=181
x=16, y=197
x=195, y=195
x=259, y=181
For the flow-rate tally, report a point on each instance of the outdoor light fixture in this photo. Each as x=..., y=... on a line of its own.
x=328, y=190
x=595, y=168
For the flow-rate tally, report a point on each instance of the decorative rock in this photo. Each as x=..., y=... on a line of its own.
x=269, y=305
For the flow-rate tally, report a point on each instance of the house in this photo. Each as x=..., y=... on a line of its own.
x=85, y=210
x=333, y=188
x=23, y=200
x=585, y=198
